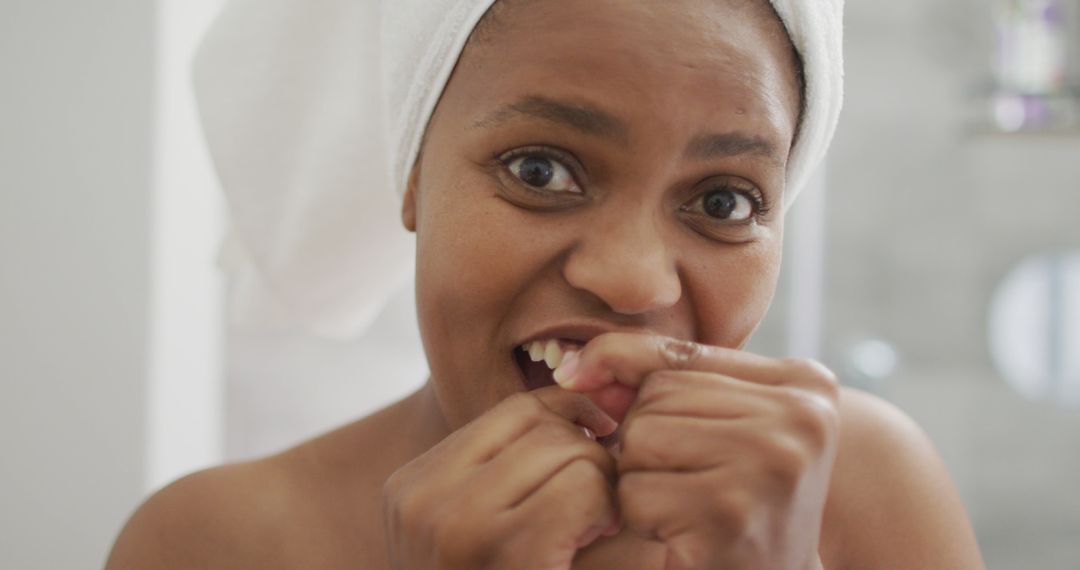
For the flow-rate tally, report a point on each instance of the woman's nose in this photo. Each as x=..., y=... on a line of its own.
x=628, y=265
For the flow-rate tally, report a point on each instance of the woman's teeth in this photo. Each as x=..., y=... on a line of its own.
x=548, y=351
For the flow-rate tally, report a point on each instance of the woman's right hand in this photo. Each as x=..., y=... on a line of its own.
x=522, y=486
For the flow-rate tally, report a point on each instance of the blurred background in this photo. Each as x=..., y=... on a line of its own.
x=936, y=263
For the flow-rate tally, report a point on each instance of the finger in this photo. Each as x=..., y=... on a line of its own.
x=693, y=525
x=656, y=505
x=703, y=395
x=679, y=443
x=528, y=463
x=483, y=439
x=573, y=507
x=627, y=358
x=576, y=409
x=683, y=420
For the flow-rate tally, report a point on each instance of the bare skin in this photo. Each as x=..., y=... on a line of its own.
x=612, y=179
x=890, y=504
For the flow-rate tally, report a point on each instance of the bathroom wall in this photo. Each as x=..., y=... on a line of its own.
x=925, y=217
x=76, y=94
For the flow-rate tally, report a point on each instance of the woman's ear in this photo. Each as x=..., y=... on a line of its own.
x=408, y=203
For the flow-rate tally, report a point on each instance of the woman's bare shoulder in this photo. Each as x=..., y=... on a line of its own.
x=891, y=500
x=262, y=513
x=209, y=519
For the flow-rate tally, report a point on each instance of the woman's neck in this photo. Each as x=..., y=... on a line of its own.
x=422, y=418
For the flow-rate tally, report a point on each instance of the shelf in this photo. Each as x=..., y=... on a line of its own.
x=1000, y=113
x=992, y=131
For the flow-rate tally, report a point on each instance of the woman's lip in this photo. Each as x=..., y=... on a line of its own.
x=572, y=333
x=581, y=332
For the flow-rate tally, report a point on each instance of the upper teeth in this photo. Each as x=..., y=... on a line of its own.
x=547, y=350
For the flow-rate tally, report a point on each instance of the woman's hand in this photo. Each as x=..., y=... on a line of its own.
x=523, y=486
x=726, y=456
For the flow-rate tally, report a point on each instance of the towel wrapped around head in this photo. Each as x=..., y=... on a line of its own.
x=314, y=113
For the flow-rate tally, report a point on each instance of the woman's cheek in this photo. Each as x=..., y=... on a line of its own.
x=733, y=296
x=469, y=269
x=475, y=253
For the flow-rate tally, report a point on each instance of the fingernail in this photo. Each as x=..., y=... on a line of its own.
x=680, y=352
x=589, y=433
x=565, y=373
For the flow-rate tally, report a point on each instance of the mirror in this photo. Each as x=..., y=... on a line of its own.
x=1034, y=328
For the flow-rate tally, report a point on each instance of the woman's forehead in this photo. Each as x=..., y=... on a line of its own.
x=609, y=66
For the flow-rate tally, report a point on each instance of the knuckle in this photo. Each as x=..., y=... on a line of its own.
x=733, y=511
x=628, y=439
x=788, y=461
x=393, y=487
x=657, y=384
x=571, y=440
x=589, y=483
x=596, y=491
x=609, y=341
x=405, y=506
x=467, y=540
x=603, y=462
x=812, y=416
x=810, y=370
x=410, y=517
x=526, y=407
x=634, y=505
x=460, y=543
x=800, y=366
x=605, y=350
x=419, y=517
x=641, y=446
x=628, y=486
x=551, y=432
x=590, y=455
x=591, y=476
x=691, y=551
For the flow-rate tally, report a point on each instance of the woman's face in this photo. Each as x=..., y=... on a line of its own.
x=597, y=166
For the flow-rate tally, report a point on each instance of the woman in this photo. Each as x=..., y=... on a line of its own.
x=598, y=207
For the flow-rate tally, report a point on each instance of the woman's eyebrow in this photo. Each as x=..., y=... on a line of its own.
x=579, y=116
x=718, y=145
x=592, y=121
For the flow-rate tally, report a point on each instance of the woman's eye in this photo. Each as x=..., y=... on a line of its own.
x=543, y=173
x=728, y=205
x=727, y=210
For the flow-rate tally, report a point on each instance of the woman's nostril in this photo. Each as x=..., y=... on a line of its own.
x=630, y=267
x=629, y=287
x=633, y=293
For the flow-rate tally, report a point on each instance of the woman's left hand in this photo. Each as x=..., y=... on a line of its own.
x=725, y=456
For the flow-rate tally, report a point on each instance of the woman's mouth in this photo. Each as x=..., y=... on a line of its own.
x=537, y=361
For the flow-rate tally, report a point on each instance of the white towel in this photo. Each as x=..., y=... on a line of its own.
x=314, y=111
